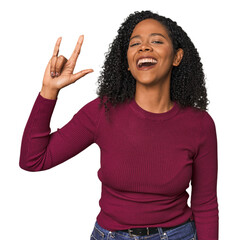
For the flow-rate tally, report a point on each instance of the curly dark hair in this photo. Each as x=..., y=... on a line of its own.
x=187, y=85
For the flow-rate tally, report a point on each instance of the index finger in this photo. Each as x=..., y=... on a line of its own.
x=56, y=49
x=77, y=49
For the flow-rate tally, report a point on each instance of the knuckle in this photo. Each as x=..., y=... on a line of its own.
x=61, y=57
x=76, y=52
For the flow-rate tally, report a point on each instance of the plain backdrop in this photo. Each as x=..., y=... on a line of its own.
x=62, y=202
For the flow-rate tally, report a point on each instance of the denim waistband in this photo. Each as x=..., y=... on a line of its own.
x=102, y=232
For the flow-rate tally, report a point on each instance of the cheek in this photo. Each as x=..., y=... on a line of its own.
x=166, y=54
x=130, y=58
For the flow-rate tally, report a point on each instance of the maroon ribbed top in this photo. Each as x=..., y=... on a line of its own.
x=147, y=161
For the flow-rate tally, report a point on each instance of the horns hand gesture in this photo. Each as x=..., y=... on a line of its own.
x=59, y=71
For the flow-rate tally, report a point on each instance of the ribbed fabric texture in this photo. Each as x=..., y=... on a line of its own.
x=147, y=161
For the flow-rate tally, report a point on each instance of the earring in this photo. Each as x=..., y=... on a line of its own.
x=128, y=69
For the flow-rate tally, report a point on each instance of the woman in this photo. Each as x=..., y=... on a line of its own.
x=155, y=137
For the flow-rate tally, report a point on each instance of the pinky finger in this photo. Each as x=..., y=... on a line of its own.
x=80, y=74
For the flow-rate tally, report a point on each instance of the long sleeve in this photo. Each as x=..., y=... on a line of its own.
x=204, y=202
x=41, y=150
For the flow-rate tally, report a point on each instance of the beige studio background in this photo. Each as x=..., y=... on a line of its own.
x=62, y=202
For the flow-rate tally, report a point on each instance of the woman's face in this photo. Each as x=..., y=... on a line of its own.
x=150, y=53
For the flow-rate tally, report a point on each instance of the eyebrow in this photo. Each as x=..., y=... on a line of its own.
x=152, y=34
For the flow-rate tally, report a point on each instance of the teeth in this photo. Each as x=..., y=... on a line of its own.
x=143, y=60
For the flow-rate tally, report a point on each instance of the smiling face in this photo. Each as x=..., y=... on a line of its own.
x=150, y=53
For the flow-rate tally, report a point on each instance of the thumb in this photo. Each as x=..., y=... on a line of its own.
x=80, y=74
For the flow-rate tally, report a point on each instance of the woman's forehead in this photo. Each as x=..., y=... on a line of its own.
x=149, y=26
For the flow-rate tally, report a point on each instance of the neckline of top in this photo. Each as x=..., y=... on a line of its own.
x=155, y=116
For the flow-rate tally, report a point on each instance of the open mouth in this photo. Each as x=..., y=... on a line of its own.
x=146, y=63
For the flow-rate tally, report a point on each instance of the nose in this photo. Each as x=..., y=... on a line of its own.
x=145, y=47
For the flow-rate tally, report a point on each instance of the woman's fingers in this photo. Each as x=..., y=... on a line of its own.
x=57, y=45
x=61, y=60
x=64, y=67
x=53, y=65
x=54, y=57
x=76, y=51
x=76, y=76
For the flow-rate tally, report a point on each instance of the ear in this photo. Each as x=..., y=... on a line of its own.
x=178, y=57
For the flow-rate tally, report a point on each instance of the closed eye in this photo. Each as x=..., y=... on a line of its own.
x=134, y=44
x=157, y=42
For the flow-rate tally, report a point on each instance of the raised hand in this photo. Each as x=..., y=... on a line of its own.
x=59, y=71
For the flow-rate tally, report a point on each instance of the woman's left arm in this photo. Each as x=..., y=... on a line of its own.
x=204, y=202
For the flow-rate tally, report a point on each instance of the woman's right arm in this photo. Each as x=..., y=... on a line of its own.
x=41, y=150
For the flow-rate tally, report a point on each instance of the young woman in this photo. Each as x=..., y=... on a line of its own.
x=154, y=133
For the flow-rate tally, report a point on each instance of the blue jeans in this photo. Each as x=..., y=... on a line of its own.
x=186, y=231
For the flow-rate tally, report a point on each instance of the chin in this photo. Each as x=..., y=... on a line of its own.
x=146, y=81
